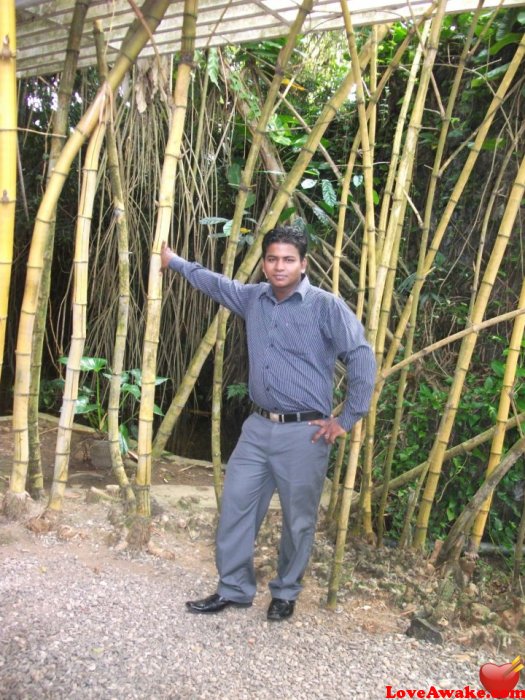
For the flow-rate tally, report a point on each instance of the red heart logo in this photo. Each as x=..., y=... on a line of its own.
x=498, y=680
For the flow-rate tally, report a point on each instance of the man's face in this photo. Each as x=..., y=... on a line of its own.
x=283, y=268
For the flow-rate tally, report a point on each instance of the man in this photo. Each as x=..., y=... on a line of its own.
x=295, y=334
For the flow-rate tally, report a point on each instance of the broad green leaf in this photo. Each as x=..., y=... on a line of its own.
x=329, y=194
x=286, y=213
x=92, y=364
x=157, y=410
x=490, y=75
x=234, y=174
x=132, y=389
x=357, y=180
x=82, y=408
x=137, y=375
x=507, y=39
x=88, y=364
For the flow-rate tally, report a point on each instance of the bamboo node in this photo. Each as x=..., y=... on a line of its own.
x=6, y=54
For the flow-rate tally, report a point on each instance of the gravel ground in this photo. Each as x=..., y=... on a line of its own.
x=79, y=620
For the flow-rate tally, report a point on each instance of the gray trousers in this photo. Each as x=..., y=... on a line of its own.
x=270, y=456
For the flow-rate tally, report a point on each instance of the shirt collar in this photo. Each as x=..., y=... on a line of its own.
x=301, y=289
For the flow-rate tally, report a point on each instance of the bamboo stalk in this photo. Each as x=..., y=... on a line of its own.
x=79, y=314
x=474, y=328
x=388, y=258
x=488, y=215
x=461, y=449
x=166, y=199
x=344, y=515
x=518, y=551
x=8, y=149
x=231, y=248
x=368, y=170
x=398, y=415
x=465, y=354
x=453, y=200
x=137, y=36
x=252, y=258
x=385, y=207
x=345, y=184
x=505, y=398
x=59, y=126
x=121, y=222
x=463, y=523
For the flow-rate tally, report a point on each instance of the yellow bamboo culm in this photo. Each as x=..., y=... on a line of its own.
x=8, y=151
x=437, y=452
x=119, y=348
x=79, y=314
x=166, y=198
x=59, y=125
x=496, y=448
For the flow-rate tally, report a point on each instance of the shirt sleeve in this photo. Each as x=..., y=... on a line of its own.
x=230, y=293
x=357, y=355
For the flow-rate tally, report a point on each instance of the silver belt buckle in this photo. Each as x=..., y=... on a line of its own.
x=273, y=417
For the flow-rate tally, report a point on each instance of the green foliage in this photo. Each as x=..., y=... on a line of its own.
x=236, y=391
x=92, y=402
x=461, y=476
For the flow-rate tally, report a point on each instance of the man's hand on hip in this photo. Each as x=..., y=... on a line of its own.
x=330, y=430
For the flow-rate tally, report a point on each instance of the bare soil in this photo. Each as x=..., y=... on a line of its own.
x=86, y=471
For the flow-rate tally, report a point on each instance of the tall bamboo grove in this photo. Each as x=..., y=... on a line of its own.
x=138, y=34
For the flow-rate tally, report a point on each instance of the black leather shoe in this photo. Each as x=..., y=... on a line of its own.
x=280, y=609
x=213, y=604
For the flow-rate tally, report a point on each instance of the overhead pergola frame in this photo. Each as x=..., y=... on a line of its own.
x=43, y=25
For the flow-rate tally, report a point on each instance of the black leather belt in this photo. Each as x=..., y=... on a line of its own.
x=289, y=417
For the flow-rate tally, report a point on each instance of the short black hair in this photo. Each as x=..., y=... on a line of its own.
x=286, y=234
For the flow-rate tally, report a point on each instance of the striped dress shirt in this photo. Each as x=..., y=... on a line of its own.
x=293, y=344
